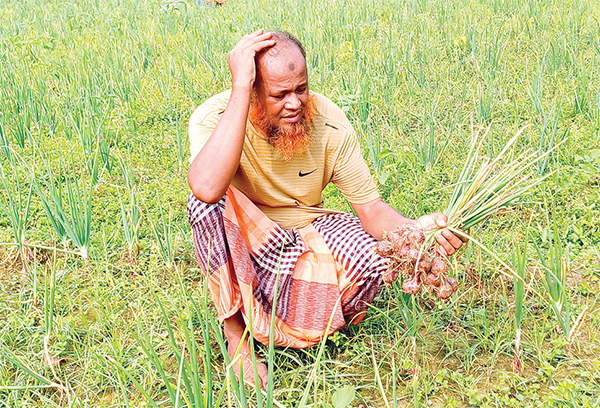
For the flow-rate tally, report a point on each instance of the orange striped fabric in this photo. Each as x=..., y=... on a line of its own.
x=327, y=270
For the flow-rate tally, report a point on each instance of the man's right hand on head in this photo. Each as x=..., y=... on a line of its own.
x=241, y=58
x=209, y=183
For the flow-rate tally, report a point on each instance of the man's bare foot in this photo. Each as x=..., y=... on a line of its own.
x=247, y=365
x=234, y=329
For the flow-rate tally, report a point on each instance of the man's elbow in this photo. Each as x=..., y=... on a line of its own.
x=204, y=191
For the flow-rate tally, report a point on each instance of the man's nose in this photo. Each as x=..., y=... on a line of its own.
x=293, y=102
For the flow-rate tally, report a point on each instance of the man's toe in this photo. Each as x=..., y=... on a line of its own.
x=263, y=374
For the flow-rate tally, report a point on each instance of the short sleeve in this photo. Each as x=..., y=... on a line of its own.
x=202, y=124
x=351, y=174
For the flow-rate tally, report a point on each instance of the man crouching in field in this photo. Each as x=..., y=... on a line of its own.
x=262, y=153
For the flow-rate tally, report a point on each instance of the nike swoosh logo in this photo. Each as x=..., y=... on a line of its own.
x=300, y=174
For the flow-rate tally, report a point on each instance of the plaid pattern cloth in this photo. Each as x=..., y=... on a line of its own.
x=327, y=270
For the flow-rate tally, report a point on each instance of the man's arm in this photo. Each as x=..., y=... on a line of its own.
x=215, y=165
x=377, y=216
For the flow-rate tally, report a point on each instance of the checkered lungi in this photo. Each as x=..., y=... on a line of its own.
x=328, y=269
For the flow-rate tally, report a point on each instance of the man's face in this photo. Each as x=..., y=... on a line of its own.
x=281, y=106
x=282, y=89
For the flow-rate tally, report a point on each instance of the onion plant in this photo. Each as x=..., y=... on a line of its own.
x=427, y=144
x=131, y=218
x=554, y=56
x=312, y=375
x=68, y=207
x=520, y=264
x=271, y=363
x=93, y=164
x=15, y=202
x=49, y=296
x=411, y=317
x=583, y=74
x=554, y=265
x=194, y=385
x=4, y=145
x=378, y=380
x=378, y=153
x=22, y=364
x=535, y=89
x=493, y=52
x=23, y=102
x=49, y=119
x=163, y=235
x=180, y=144
x=90, y=134
x=486, y=186
x=127, y=172
x=125, y=81
x=165, y=86
x=105, y=155
x=486, y=98
x=548, y=133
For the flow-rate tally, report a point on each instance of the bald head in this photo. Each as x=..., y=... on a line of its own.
x=286, y=55
x=282, y=39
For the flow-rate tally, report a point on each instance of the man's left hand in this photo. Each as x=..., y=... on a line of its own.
x=448, y=242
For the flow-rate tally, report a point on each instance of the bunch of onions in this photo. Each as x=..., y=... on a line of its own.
x=484, y=187
x=409, y=256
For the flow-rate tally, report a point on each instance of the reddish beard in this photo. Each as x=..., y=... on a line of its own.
x=288, y=141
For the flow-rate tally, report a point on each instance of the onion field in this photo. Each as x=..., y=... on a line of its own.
x=102, y=301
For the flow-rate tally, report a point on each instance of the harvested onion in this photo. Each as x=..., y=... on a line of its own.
x=408, y=256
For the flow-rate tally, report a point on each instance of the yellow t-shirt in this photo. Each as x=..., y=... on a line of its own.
x=290, y=193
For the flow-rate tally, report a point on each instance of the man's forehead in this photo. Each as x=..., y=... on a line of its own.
x=281, y=55
x=282, y=74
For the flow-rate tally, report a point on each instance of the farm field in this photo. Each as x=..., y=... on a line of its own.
x=102, y=302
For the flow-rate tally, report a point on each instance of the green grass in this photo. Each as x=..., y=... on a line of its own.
x=94, y=99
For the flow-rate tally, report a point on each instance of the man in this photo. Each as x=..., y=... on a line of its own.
x=262, y=153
